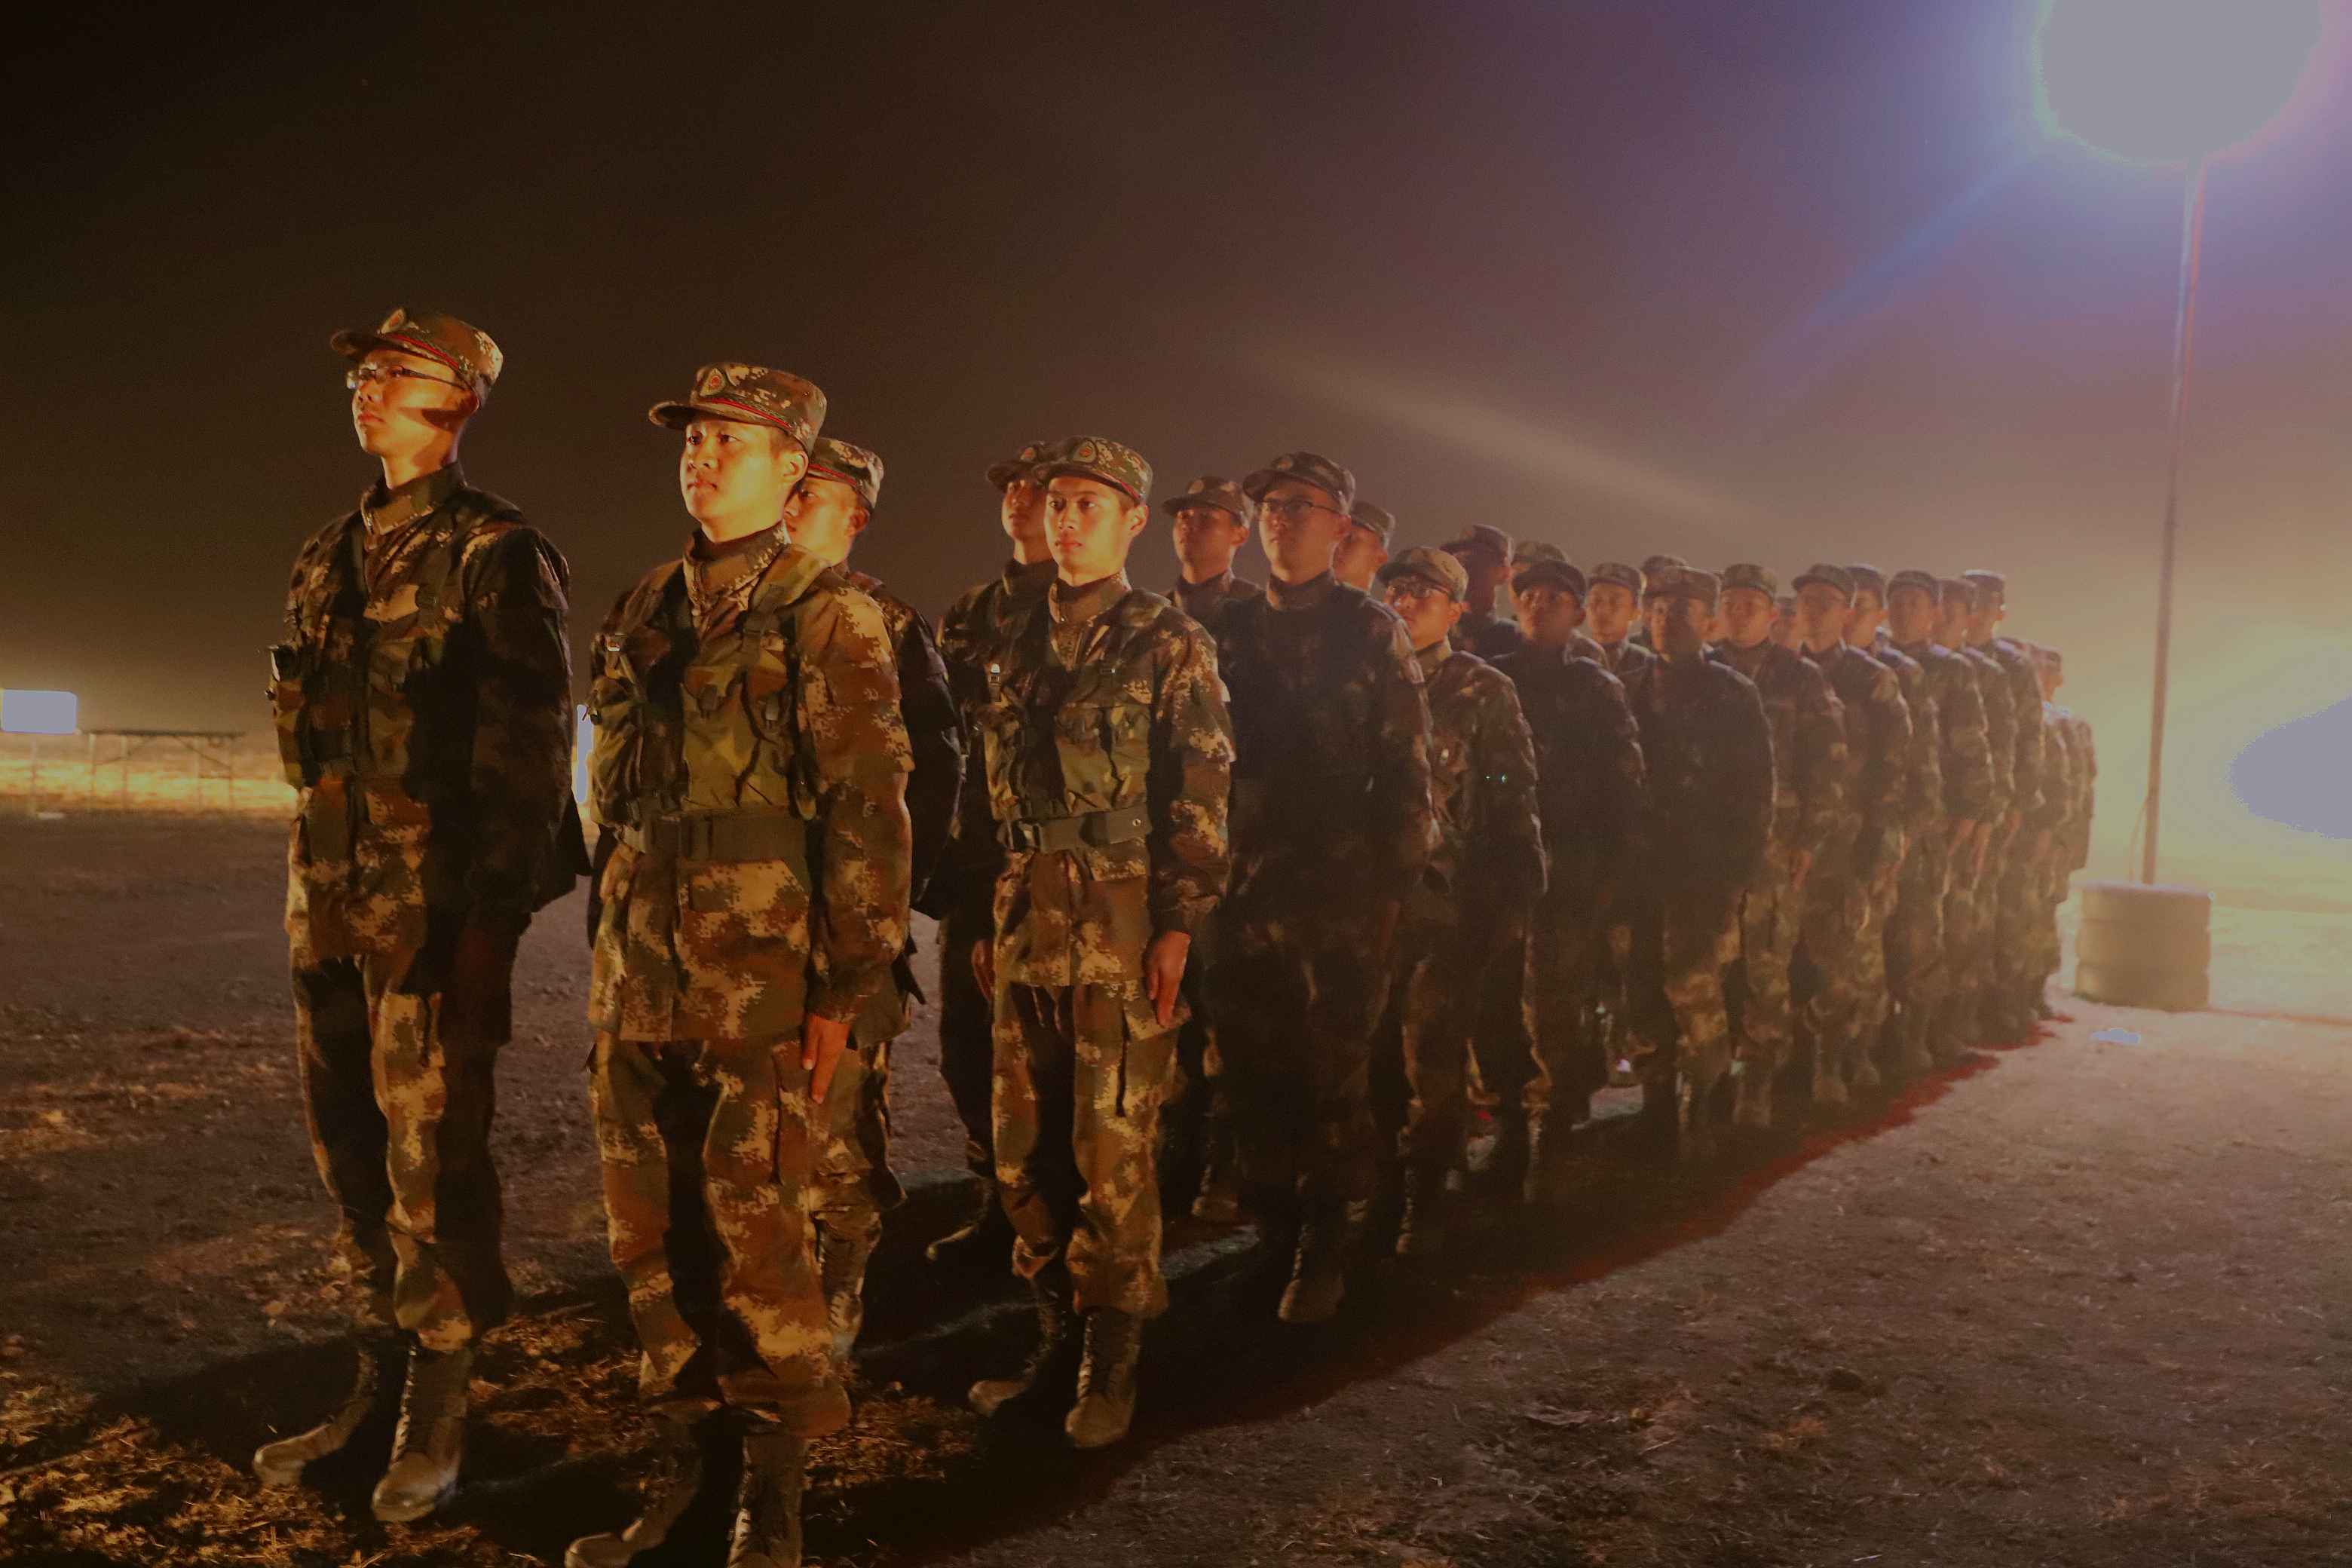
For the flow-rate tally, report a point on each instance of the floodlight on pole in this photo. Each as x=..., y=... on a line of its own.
x=2170, y=83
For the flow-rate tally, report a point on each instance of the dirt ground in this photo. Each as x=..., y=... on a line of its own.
x=2077, y=1301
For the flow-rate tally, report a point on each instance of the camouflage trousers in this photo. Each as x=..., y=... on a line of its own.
x=967, y=1034
x=1967, y=930
x=708, y=1151
x=1681, y=949
x=2050, y=949
x=1840, y=948
x=1566, y=953
x=1916, y=973
x=1421, y=1067
x=1081, y=1071
x=1770, y=919
x=399, y=1114
x=2019, y=918
x=1502, y=1051
x=1297, y=995
x=854, y=1185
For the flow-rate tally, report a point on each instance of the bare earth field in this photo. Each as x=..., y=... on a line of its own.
x=2074, y=1303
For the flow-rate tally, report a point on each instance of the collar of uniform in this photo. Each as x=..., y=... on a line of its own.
x=1828, y=655
x=1073, y=606
x=1746, y=660
x=1206, y=587
x=1432, y=657
x=1303, y=595
x=382, y=508
x=714, y=570
x=1031, y=574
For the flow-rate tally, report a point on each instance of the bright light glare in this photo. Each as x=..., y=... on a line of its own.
x=38, y=712
x=2169, y=81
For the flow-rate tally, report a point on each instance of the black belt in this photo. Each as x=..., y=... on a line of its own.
x=721, y=835
x=1102, y=829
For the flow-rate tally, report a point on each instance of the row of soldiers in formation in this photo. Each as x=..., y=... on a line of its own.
x=1313, y=868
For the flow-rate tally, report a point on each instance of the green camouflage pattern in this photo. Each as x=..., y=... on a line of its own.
x=1115, y=464
x=1214, y=489
x=1308, y=467
x=431, y=334
x=846, y=463
x=935, y=734
x=750, y=769
x=1376, y=520
x=753, y=393
x=1435, y=567
x=1918, y=963
x=1541, y=561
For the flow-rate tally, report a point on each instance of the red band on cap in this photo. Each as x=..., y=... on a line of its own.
x=761, y=415
x=421, y=346
x=821, y=471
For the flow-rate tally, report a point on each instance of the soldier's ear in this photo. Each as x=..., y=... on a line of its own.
x=791, y=459
x=1139, y=518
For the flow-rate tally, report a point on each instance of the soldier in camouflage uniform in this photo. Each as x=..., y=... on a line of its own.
x=1589, y=778
x=1923, y=803
x=1854, y=877
x=1707, y=747
x=1810, y=767
x=1106, y=756
x=962, y=893
x=1490, y=860
x=1612, y=608
x=828, y=515
x=1332, y=821
x=1918, y=966
x=1654, y=607
x=1485, y=552
x=1364, y=548
x=2074, y=851
x=2061, y=767
x=2020, y=851
x=1210, y=520
x=754, y=855
x=1968, y=911
x=422, y=706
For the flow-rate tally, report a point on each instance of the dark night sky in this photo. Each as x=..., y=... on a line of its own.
x=1767, y=278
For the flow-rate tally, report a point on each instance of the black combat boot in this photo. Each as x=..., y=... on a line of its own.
x=841, y=1266
x=667, y=1491
x=986, y=1238
x=280, y=1464
x=1421, y=1232
x=1319, y=1277
x=1106, y=1404
x=767, y=1501
x=431, y=1442
x=1219, y=1201
x=1053, y=1364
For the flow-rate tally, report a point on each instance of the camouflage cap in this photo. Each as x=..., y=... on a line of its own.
x=1013, y=467
x=1662, y=563
x=1829, y=577
x=1922, y=581
x=1868, y=577
x=1482, y=536
x=751, y=393
x=1377, y=519
x=1617, y=571
x=1988, y=582
x=1541, y=561
x=856, y=467
x=1306, y=468
x=435, y=334
x=1216, y=491
x=1748, y=574
x=1959, y=589
x=1433, y=566
x=1684, y=583
x=1096, y=457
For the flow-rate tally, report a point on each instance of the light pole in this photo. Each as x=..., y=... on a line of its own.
x=2184, y=326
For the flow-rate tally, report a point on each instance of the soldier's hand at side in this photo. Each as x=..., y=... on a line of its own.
x=1163, y=972
x=823, y=1040
x=983, y=966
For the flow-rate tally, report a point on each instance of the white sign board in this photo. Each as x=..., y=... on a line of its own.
x=38, y=713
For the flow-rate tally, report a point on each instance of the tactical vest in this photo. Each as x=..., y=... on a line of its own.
x=1096, y=789
x=697, y=753
x=382, y=701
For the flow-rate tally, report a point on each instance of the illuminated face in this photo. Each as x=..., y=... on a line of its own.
x=1549, y=613
x=1428, y=611
x=1952, y=621
x=1089, y=526
x=1747, y=617
x=1611, y=609
x=1820, y=616
x=1911, y=616
x=1206, y=537
x=403, y=404
x=825, y=518
x=1681, y=627
x=1867, y=615
x=1021, y=511
x=1359, y=556
x=735, y=476
x=1299, y=529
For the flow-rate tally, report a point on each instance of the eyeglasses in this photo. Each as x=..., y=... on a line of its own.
x=1410, y=591
x=1294, y=509
x=360, y=375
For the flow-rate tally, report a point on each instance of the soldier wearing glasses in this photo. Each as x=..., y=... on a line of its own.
x=424, y=713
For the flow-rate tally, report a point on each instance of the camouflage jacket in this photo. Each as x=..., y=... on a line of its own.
x=1589, y=768
x=1626, y=660
x=2018, y=668
x=1706, y=746
x=1201, y=601
x=423, y=703
x=1331, y=736
x=1488, y=634
x=2058, y=781
x=1922, y=764
x=934, y=732
x=1966, y=756
x=2000, y=727
x=750, y=776
x=1808, y=742
x=2086, y=779
x=1481, y=777
x=969, y=633
x=1877, y=745
x=1105, y=756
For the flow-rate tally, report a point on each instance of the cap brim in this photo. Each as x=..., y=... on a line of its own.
x=678, y=415
x=1171, y=505
x=1049, y=470
x=1526, y=576
x=1003, y=474
x=355, y=346
x=1800, y=580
